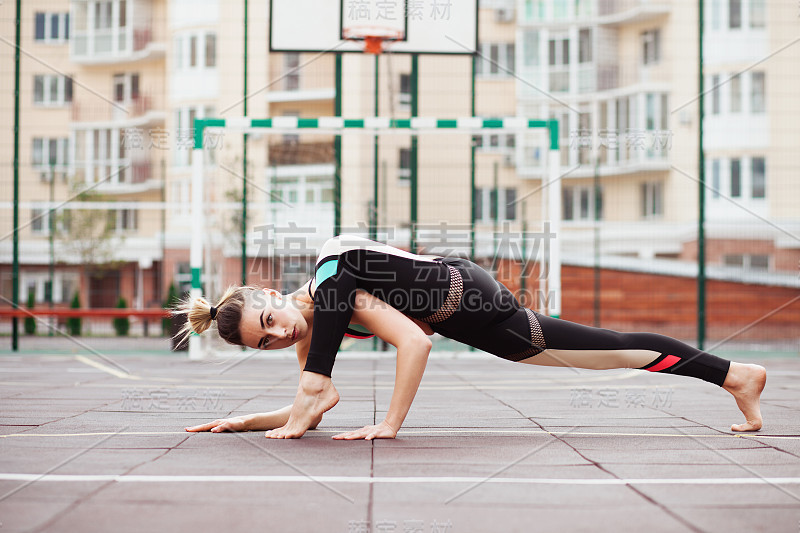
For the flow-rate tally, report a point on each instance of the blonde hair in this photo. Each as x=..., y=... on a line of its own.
x=228, y=314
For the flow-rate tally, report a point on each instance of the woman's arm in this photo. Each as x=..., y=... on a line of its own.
x=413, y=347
x=253, y=422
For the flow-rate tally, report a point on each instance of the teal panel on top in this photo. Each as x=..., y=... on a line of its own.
x=326, y=270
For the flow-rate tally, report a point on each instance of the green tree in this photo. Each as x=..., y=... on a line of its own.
x=74, y=322
x=30, y=322
x=171, y=301
x=122, y=324
x=90, y=234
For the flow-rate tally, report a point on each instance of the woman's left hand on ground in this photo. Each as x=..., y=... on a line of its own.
x=379, y=431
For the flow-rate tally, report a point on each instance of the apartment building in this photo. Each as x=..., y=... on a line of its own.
x=621, y=76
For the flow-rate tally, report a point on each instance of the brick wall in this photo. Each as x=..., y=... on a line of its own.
x=632, y=301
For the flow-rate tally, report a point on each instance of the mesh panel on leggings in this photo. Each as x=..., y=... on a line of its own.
x=452, y=301
x=537, y=340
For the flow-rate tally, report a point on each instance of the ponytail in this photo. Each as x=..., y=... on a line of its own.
x=227, y=313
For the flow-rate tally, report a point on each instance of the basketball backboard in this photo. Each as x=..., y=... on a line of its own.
x=417, y=26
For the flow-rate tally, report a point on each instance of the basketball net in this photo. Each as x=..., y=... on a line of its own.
x=373, y=37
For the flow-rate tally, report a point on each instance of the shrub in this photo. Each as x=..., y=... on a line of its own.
x=30, y=322
x=74, y=323
x=122, y=324
x=171, y=301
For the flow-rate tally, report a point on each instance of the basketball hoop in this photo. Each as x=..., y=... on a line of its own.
x=373, y=36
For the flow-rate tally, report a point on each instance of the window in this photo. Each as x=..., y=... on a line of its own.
x=758, y=14
x=211, y=50
x=198, y=49
x=102, y=16
x=68, y=89
x=511, y=204
x=477, y=208
x=126, y=87
x=51, y=27
x=747, y=261
x=495, y=59
x=757, y=92
x=123, y=14
x=651, y=47
x=715, y=14
x=123, y=219
x=404, y=165
x=715, y=178
x=52, y=90
x=38, y=89
x=758, y=178
x=580, y=202
x=193, y=51
x=54, y=26
x=558, y=52
x=650, y=111
x=715, y=94
x=758, y=262
x=558, y=58
x=38, y=151
x=530, y=45
x=39, y=31
x=510, y=61
x=585, y=46
x=494, y=56
x=736, y=178
x=734, y=14
x=652, y=199
x=40, y=221
x=493, y=142
x=292, y=79
x=178, y=52
x=405, y=89
x=736, y=94
x=488, y=206
x=119, y=87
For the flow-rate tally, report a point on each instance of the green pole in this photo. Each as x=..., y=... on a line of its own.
x=472, y=166
x=523, y=273
x=337, y=149
x=496, y=218
x=15, y=259
x=52, y=230
x=414, y=191
x=373, y=215
x=597, y=242
x=701, y=234
x=244, y=160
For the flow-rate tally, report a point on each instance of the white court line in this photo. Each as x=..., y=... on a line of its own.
x=432, y=432
x=105, y=368
x=418, y=480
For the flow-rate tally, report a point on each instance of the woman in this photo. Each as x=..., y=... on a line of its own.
x=402, y=298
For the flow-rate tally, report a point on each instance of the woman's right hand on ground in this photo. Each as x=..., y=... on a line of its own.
x=222, y=424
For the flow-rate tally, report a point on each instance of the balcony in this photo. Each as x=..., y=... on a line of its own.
x=619, y=153
x=297, y=153
x=144, y=110
x=118, y=177
x=619, y=12
x=589, y=78
x=114, y=32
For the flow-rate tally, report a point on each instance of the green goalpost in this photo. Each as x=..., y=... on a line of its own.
x=375, y=126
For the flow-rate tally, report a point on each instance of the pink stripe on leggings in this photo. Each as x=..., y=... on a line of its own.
x=665, y=363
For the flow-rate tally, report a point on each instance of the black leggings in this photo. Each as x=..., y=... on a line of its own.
x=463, y=302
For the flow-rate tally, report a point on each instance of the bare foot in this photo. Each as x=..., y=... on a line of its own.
x=746, y=382
x=315, y=395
